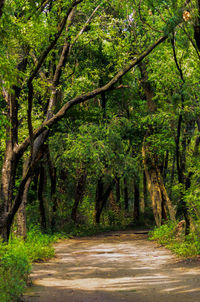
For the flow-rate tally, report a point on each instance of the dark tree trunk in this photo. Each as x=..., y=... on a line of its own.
x=172, y=176
x=98, y=200
x=197, y=27
x=1, y=6
x=136, y=213
x=165, y=166
x=53, y=198
x=101, y=198
x=118, y=195
x=21, y=214
x=103, y=103
x=53, y=179
x=126, y=207
x=41, y=198
x=79, y=193
x=145, y=190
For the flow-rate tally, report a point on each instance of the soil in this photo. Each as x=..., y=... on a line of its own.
x=117, y=267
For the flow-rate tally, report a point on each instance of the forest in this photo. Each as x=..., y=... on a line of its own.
x=99, y=117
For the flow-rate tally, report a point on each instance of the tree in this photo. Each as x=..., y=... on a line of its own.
x=37, y=82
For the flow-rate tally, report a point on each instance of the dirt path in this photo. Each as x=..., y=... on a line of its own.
x=114, y=267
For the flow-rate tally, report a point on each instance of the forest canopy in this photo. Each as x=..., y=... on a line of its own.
x=99, y=113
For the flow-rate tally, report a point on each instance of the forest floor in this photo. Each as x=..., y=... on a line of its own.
x=117, y=267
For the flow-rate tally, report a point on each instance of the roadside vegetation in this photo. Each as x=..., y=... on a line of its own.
x=17, y=257
x=172, y=236
x=99, y=125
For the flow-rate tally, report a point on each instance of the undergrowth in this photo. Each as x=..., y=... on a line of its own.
x=185, y=246
x=16, y=256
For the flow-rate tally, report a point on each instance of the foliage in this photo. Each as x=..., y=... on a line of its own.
x=156, y=103
x=16, y=258
x=14, y=270
x=166, y=235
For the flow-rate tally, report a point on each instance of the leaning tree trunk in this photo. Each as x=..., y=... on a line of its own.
x=160, y=200
x=10, y=162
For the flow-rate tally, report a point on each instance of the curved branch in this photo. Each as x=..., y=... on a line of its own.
x=82, y=98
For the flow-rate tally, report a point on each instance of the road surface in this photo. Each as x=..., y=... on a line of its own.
x=114, y=267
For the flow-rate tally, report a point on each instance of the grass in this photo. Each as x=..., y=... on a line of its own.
x=15, y=262
x=185, y=246
x=16, y=256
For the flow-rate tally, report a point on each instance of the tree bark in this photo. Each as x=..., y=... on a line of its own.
x=145, y=190
x=41, y=199
x=79, y=193
x=136, y=213
x=156, y=188
x=160, y=200
x=53, y=178
x=21, y=214
x=1, y=7
x=101, y=198
x=126, y=205
x=118, y=195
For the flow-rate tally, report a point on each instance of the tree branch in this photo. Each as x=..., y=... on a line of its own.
x=82, y=98
x=1, y=6
x=53, y=42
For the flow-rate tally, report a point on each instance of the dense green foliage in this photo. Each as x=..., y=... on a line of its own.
x=99, y=123
x=166, y=235
x=15, y=262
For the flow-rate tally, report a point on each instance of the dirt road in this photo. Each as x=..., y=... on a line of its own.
x=115, y=267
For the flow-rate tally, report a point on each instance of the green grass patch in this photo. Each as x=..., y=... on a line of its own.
x=16, y=258
x=185, y=246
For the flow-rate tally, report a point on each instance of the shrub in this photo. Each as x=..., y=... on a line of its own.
x=188, y=246
x=15, y=262
x=164, y=234
x=14, y=271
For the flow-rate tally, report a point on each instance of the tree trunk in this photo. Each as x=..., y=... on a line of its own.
x=101, y=198
x=98, y=199
x=1, y=6
x=79, y=193
x=145, y=190
x=41, y=199
x=114, y=206
x=159, y=197
x=118, y=191
x=160, y=200
x=21, y=214
x=53, y=178
x=136, y=213
x=126, y=195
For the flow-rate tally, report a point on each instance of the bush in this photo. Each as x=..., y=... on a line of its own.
x=15, y=262
x=164, y=234
x=188, y=246
x=14, y=271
